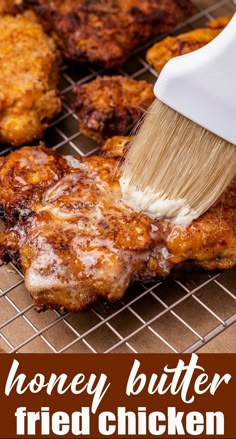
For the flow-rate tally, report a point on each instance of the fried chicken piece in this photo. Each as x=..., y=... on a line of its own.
x=111, y=105
x=78, y=241
x=103, y=32
x=116, y=146
x=159, y=54
x=28, y=79
x=24, y=177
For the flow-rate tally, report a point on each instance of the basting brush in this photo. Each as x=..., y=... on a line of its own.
x=184, y=154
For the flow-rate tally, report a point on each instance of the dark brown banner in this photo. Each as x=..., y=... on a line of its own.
x=118, y=396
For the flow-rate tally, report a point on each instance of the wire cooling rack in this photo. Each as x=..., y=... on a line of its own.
x=170, y=316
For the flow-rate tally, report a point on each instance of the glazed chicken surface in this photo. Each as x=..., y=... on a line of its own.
x=111, y=105
x=28, y=80
x=159, y=54
x=75, y=239
x=103, y=32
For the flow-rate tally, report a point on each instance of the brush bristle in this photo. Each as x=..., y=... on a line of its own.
x=174, y=167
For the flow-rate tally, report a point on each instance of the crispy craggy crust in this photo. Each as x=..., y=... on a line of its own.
x=76, y=240
x=103, y=32
x=28, y=79
x=35, y=170
x=111, y=105
x=116, y=146
x=184, y=43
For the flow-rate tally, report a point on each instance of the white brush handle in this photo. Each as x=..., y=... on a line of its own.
x=202, y=85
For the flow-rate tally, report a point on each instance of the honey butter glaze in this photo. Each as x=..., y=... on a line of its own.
x=76, y=240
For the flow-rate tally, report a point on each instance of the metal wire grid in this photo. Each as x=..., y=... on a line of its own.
x=171, y=316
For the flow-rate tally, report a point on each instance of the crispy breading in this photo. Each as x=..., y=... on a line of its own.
x=28, y=78
x=219, y=22
x=13, y=7
x=159, y=54
x=116, y=146
x=76, y=240
x=111, y=105
x=103, y=32
x=34, y=168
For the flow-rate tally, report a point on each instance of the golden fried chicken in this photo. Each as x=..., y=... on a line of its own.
x=103, y=32
x=158, y=55
x=111, y=105
x=25, y=175
x=28, y=79
x=76, y=240
x=116, y=146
